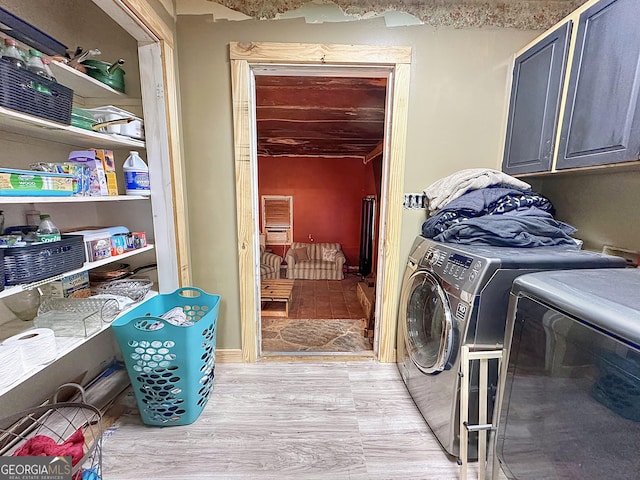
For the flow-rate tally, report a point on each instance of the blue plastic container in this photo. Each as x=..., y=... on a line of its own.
x=171, y=367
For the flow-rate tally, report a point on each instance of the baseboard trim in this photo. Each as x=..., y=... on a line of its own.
x=229, y=355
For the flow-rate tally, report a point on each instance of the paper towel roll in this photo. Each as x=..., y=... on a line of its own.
x=11, y=367
x=37, y=346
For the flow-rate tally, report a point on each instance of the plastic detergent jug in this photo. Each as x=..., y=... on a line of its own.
x=136, y=175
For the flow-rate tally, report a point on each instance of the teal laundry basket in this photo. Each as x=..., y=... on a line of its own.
x=171, y=367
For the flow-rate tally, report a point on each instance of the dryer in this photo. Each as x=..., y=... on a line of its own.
x=571, y=391
x=454, y=295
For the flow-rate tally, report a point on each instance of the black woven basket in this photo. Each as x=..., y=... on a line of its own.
x=27, y=92
x=37, y=262
x=1, y=270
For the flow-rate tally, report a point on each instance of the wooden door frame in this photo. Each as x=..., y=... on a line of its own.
x=242, y=56
x=162, y=128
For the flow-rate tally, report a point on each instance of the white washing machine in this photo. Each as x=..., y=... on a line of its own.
x=454, y=295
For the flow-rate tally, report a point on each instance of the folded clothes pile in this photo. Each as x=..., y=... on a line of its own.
x=488, y=207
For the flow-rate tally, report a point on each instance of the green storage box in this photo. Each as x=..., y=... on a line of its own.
x=82, y=119
x=27, y=183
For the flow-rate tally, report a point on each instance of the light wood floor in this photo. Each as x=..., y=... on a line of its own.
x=286, y=421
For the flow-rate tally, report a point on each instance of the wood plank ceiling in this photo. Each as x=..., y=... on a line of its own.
x=320, y=116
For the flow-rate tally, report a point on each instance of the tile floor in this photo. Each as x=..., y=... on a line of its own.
x=325, y=316
x=326, y=299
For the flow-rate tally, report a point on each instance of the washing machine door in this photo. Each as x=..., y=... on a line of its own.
x=428, y=322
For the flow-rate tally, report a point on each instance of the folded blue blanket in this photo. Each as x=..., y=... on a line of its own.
x=486, y=201
x=518, y=229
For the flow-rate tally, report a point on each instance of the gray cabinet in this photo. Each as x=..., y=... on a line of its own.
x=535, y=100
x=602, y=120
x=592, y=98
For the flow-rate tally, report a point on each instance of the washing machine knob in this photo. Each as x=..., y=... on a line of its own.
x=430, y=257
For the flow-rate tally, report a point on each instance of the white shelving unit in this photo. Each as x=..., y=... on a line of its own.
x=4, y=200
x=24, y=124
x=64, y=345
x=82, y=84
x=25, y=139
x=15, y=122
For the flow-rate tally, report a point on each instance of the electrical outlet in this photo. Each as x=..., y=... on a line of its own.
x=414, y=201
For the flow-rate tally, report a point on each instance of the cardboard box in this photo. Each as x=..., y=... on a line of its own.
x=97, y=243
x=72, y=286
x=97, y=178
x=118, y=244
x=109, y=167
x=139, y=239
x=136, y=240
x=104, y=242
x=97, y=248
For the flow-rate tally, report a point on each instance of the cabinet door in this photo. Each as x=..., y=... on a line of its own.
x=533, y=109
x=601, y=123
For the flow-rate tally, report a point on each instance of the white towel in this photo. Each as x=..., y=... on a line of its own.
x=449, y=188
x=177, y=316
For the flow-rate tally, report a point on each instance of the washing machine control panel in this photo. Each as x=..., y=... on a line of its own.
x=457, y=265
x=455, y=268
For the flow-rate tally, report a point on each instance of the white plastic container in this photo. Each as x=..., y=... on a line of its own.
x=136, y=175
x=108, y=113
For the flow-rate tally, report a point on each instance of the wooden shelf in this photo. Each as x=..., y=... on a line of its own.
x=8, y=291
x=21, y=123
x=119, y=198
x=64, y=345
x=82, y=84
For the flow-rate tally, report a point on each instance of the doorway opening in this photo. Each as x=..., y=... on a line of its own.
x=250, y=60
x=319, y=137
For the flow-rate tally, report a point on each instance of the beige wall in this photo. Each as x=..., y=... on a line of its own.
x=604, y=206
x=459, y=83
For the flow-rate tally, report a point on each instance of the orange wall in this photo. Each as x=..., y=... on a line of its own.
x=327, y=195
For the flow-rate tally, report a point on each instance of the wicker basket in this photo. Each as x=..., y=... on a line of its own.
x=27, y=92
x=1, y=270
x=62, y=422
x=42, y=260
